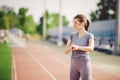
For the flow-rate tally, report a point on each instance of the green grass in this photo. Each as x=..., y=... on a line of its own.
x=5, y=62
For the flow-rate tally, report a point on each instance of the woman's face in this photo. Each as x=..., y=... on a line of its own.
x=77, y=24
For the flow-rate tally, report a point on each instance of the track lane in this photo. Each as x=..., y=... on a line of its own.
x=55, y=62
x=27, y=68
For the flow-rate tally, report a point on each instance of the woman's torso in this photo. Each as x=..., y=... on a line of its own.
x=83, y=41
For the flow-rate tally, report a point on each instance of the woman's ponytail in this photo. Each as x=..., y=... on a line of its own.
x=87, y=25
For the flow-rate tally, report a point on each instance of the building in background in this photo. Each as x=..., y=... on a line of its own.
x=6, y=8
x=104, y=32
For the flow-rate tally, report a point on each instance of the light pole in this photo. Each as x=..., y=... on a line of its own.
x=60, y=28
x=44, y=20
x=118, y=23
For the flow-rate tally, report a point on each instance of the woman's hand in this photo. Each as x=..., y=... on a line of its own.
x=88, y=48
x=74, y=47
x=68, y=50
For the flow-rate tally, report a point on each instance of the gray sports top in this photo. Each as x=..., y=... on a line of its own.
x=83, y=41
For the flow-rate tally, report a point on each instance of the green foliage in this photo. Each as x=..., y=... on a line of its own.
x=7, y=20
x=65, y=21
x=29, y=26
x=40, y=26
x=52, y=20
x=106, y=10
x=26, y=23
x=2, y=20
x=10, y=19
x=22, y=15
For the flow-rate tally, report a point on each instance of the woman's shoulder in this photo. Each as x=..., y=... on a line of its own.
x=91, y=35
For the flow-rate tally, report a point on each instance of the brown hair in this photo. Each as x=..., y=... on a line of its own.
x=82, y=18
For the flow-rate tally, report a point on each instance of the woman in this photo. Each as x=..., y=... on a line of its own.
x=80, y=43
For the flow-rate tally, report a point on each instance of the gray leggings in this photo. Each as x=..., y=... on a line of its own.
x=80, y=69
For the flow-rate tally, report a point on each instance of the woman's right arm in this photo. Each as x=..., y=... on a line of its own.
x=68, y=47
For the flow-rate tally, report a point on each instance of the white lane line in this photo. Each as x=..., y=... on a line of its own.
x=40, y=64
x=14, y=67
x=59, y=60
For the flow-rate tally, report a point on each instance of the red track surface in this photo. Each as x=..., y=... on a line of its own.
x=38, y=62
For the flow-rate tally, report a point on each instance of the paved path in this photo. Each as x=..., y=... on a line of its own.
x=38, y=62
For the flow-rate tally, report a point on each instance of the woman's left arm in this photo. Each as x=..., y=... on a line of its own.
x=88, y=48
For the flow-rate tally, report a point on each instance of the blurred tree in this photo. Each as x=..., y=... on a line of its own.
x=26, y=23
x=22, y=17
x=52, y=20
x=30, y=26
x=2, y=20
x=6, y=22
x=12, y=21
x=65, y=21
x=106, y=10
x=9, y=19
x=40, y=26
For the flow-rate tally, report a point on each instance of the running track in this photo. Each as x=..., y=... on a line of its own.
x=38, y=62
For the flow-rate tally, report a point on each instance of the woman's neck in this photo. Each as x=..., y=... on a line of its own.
x=81, y=32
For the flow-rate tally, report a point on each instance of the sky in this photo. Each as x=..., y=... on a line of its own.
x=69, y=7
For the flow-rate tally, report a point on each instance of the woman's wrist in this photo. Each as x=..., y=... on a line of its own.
x=77, y=47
